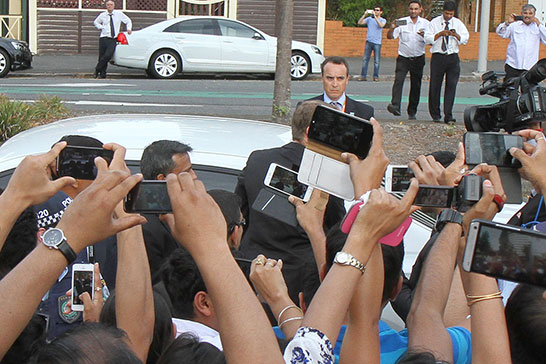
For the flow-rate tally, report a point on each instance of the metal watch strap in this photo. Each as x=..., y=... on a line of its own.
x=448, y=215
x=353, y=262
x=67, y=251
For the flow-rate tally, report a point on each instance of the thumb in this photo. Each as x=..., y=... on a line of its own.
x=295, y=201
x=280, y=263
x=460, y=157
x=128, y=222
x=519, y=154
x=349, y=157
x=86, y=299
x=62, y=182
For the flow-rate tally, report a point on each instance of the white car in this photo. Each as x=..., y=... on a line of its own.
x=209, y=44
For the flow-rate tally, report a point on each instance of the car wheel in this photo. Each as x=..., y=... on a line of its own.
x=300, y=66
x=164, y=64
x=5, y=63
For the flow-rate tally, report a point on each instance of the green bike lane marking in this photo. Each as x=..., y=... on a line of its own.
x=59, y=91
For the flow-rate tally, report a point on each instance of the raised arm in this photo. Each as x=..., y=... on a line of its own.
x=201, y=228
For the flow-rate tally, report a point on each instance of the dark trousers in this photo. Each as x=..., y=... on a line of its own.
x=443, y=65
x=511, y=72
x=107, y=46
x=413, y=65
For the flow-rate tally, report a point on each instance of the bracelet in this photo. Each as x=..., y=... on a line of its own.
x=473, y=299
x=499, y=202
x=290, y=319
x=287, y=308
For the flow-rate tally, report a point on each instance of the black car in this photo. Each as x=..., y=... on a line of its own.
x=14, y=54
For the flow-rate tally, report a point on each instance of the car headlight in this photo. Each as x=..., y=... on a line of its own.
x=316, y=50
x=18, y=45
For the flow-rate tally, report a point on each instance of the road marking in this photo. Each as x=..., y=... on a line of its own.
x=113, y=94
x=112, y=103
x=75, y=85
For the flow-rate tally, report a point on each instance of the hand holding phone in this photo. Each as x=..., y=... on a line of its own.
x=491, y=148
x=398, y=178
x=148, y=197
x=83, y=280
x=79, y=162
x=286, y=181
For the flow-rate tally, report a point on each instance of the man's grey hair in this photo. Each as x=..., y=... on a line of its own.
x=528, y=7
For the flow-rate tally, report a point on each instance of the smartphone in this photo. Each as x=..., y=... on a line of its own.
x=334, y=129
x=398, y=178
x=148, y=197
x=518, y=17
x=506, y=251
x=434, y=196
x=491, y=148
x=400, y=22
x=285, y=180
x=83, y=278
x=79, y=162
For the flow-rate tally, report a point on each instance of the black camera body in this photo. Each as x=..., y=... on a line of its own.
x=522, y=101
x=468, y=192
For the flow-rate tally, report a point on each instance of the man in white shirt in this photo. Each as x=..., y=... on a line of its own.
x=109, y=23
x=525, y=37
x=444, y=33
x=411, y=58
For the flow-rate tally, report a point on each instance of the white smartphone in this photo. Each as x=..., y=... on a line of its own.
x=398, y=178
x=83, y=278
x=286, y=181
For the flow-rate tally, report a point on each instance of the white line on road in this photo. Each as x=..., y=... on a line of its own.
x=83, y=84
x=110, y=103
x=111, y=94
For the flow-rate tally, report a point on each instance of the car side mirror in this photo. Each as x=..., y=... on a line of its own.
x=257, y=36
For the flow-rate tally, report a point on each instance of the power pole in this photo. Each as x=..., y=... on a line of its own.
x=281, y=92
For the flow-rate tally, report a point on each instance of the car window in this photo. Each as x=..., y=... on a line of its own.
x=195, y=26
x=233, y=29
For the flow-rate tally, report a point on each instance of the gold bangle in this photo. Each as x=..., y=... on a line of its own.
x=287, y=308
x=474, y=299
x=290, y=319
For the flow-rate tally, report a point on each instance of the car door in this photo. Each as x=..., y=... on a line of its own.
x=198, y=42
x=243, y=48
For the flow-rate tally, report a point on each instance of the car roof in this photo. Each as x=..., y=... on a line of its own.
x=216, y=141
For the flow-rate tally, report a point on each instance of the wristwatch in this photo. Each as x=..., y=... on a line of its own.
x=448, y=215
x=344, y=258
x=54, y=238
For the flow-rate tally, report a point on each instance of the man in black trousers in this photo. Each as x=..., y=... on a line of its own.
x=109, y=23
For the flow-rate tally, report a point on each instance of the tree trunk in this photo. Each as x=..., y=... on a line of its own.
x=281, y=93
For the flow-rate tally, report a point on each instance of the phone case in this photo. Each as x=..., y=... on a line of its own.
x=276, y=205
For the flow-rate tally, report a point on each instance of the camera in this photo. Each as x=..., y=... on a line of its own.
x=468, y=192
x=461, y=197
x=522, y=101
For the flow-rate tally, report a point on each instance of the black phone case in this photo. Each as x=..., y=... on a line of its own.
x=275, y=205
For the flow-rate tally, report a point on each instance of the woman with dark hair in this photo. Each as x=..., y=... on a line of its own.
x=187, y=349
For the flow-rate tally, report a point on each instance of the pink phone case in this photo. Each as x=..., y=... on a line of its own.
x=392, y=239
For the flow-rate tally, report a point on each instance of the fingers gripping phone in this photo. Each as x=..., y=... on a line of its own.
x=148, y=197
x=79, y=162
x=398, y=178
x=83, y=278
x=506, y=251
x=286, y=181
x=434, y=196
x=491, y=148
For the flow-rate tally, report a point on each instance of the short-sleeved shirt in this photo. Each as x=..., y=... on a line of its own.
x=375, y=32
x=411, y=44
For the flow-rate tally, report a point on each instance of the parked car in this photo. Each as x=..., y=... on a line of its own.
x=14, y=54
x=209, y=44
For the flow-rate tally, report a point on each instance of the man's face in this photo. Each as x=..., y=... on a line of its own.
x=528, y=15
x=414, y=10
x=377, y=12
x=183, y=164
x=448, y=14
x=334, y=80
x=110, y=6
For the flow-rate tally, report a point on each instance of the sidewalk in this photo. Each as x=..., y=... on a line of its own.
x=83, y=65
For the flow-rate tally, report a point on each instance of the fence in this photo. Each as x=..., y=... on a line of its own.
x=11, y=26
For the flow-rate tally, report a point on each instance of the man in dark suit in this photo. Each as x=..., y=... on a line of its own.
x=268, y=236
x=335, y=77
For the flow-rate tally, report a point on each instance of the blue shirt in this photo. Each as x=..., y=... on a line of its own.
x=375, y=32
x=394, y=344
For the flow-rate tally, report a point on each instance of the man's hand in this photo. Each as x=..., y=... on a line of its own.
x=31, y=182
x=310, y=215
x=91, y=307
x=90, y=217
x=511, y=18
x=129, y=32
x=427, y=170
x=267, y=279
x=533, y=166
x=367, y=174
x=198, y=222
x=451, y=175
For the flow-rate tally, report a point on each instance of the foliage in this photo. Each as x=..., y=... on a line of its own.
x=349, y=11
x=16, y=116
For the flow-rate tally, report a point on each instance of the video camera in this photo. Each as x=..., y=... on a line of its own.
x=522, y=101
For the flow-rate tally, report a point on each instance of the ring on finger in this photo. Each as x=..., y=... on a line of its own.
x=98, y=289
x=259, y=261
x=270, y=263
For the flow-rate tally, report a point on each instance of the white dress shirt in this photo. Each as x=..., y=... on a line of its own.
x=411, y=44
x=202, y=332
x=102, y=23
x=522, y=51
x=438, y=24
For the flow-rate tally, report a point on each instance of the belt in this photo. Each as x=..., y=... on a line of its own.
x=444, y=54
x=412, y=58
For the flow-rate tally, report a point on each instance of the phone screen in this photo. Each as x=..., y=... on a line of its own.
x=344, y=132
x=286, y=181
x=149, y=197
x=79, y=162
x=401, y=179
x=514, y=253
x=491, y=148
x=83, y=282
x=434, y=196
x=400, y=22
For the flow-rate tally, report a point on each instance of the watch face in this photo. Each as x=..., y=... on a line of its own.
x=343, y=258
x=52, y=237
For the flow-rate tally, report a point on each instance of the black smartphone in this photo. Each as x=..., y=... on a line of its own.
x=434, y=196
x=491, y=148
x=148, y=197
x=400, y=22
x=79, y=162
x=340, y=131
x=518, y=17
x=506, y=251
